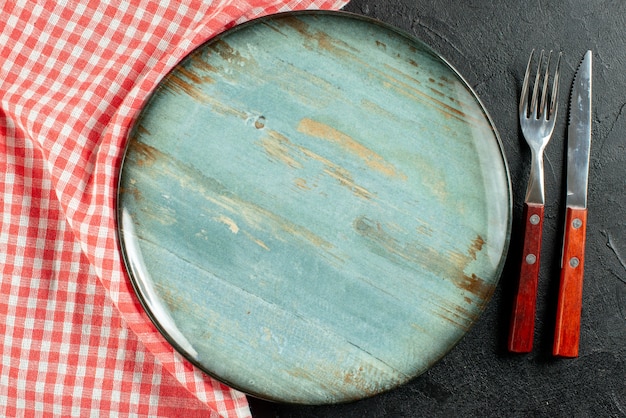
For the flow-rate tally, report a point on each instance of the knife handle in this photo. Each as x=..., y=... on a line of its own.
x=567, y=330
x=522, y=327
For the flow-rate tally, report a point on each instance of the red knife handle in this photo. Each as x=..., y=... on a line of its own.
x=522, y=327
x=567, y=331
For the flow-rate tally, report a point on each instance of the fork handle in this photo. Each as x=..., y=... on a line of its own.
x=522, y=327
x=567, y=330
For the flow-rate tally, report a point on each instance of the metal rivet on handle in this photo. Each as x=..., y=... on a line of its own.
x=574, y=262
x=535, y=219
x=577, y=223
x=531, y=258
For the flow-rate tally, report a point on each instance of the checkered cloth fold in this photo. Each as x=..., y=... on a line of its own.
x=75, y=341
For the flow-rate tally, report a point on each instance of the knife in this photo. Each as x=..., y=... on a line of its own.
x=567, y=330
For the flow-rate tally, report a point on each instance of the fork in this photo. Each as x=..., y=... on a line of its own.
x=537, y=115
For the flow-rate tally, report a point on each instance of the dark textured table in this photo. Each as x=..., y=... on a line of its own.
x=488, y=43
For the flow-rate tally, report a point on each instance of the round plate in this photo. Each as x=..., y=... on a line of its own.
x=314, y=207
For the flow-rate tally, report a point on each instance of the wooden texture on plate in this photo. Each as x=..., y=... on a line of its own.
x=314, y=207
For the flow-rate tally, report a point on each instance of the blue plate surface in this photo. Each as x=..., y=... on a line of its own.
x=314, y=207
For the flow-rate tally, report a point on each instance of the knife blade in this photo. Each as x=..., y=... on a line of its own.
x=569, y=305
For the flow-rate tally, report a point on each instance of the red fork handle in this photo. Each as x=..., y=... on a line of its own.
x=567, y=330
x=522, y=327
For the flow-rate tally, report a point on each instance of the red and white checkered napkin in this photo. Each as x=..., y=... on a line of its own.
x=74, y=340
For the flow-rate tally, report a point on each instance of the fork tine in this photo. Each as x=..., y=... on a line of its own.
x=555, y=87
x=534, y=111
x=543, y=110
x=523, y=102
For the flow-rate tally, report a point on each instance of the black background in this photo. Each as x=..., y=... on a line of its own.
x=488, y=42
